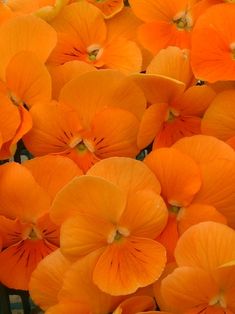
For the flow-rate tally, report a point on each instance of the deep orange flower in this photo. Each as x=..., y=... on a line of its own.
x=118, y=226
x=175, y=106
x=204, y=281
x=191, y=187
x=24, y=79
x=27, y=232
x=82, y=129
x=78, y=39
x=167, y=23
x=78, y=294
x=213, y=44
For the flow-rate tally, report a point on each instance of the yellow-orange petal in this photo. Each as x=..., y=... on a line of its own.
x=21, y=195
x=219, y=118
x=72, y=306
x=203, y=148
x=194, y=101
x=213, y=44
x=117, y=138
x=78, y=285
x=158, y=88
x=64, y=73
x=28, y=79
x=178, y=174
x=121, y=93
x=139, y=260
x=128, y=174
x=123, y=55
x=196, y=213
x=152, y=123
x=217, y=187
x=47, y=279
x=82, y=195
x=188, y=287
x=145, y=214
x=25, y=33
x=172, y=62
x=52, y=172
x=211, y=242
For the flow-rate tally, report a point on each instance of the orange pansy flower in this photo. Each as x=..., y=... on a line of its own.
x=167, y=23
x=204, y=281
x=194, y=191
x=175, y=107
x=24, y=79
x=117, y=225
x=213, y=44
x=81, y=129
x=78, y=39
x=27, y=232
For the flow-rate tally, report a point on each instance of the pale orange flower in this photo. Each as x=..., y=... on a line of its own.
x=78, y=39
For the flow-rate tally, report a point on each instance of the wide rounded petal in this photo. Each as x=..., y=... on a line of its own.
x=172, y=62
x=109, y=7
x=21, y=195
x=123, y=55
x=54, y=127
x=25, y=33
x=188, y=287
x=72, y=306
x=117, y=138
x=47, y=279
x=111, y=88
x=219, y=118
x=218, y=190
x=212, y=244
x=196, y=213
x=90, y=195
x=128, y=174
x=145, y=215
x=212, y=44
x=62, y=74
x=79, y=286
x=52, y=172
x=125, y=267
x=203, y=148
x=158, y=88
x=195, y=100
x=178, y=174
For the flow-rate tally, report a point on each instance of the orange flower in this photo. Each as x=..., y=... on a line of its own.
x=78, y=294
x=83, y=42
x=175, y=111
x=83, y=130
x=193, y=190
x=167, y=23
x=118, y=226
x=204, y=281
x=24, y=79
x=213, y=44
x=27, y=232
